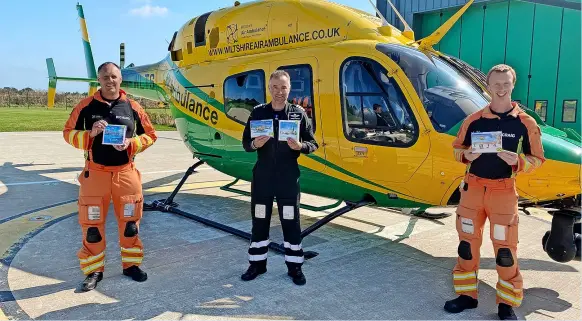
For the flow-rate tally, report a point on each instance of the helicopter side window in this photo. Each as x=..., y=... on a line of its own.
x=374, y=110
x=242, y=92
x=301, y=89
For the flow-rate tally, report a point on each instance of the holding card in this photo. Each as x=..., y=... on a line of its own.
x=114, y=135
x=262, y=128
x=487, y=142
x=288, y=128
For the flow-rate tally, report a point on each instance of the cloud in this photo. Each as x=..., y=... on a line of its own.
x=149, y=11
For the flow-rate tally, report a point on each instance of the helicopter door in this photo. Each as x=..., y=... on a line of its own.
x=379, y=135
x=305, y=93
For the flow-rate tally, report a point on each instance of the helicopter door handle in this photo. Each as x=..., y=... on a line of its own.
x=217, y=136
x=361, y=151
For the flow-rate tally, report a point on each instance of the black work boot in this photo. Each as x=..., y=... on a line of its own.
x=505, y=312
x=297, y=275
x=91, y=281
x=135, y=273
x=461, y=303
x=253, y=271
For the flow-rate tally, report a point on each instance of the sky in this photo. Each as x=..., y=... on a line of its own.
x=33, y=30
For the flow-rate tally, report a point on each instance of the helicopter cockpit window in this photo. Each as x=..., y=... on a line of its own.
x=447, y=95
x=301, y=89
x=374, y=109
x=242, y=92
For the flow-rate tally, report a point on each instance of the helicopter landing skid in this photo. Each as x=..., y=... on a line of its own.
x=168, y=205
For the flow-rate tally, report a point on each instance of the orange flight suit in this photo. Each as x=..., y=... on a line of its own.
x=109, y=175
x=488, y=191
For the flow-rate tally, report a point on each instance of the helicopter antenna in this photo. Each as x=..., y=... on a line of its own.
x=384, y=21
x=408, y=33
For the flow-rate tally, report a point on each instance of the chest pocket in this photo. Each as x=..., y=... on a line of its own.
x=295, y=115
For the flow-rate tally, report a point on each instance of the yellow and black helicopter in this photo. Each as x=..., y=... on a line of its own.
x=343, y=63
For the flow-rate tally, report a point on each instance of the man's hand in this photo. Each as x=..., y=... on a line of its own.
x=509, y=157
x=470, y=156
x=122, y=147
x=260, y=141
x=98, y=128
x=294, y=144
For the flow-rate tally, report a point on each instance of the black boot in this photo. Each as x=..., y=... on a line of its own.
x=253, y=271
x=91, y=281
x=505, y=312
x=135, y=273
x=297, y=275
x=461, y=303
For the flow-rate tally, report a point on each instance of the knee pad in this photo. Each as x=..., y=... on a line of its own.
x=504, y=257
x=130, y=229
x=465, y=250
x=93, y=235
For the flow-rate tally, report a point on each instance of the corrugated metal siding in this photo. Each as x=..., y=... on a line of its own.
x=541, y=41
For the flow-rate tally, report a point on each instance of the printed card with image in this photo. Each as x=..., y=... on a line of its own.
x=262, y=128
x=288, y=128
x=486, y=142
x=114, y=134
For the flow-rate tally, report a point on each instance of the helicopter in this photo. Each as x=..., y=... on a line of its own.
x=349, y=69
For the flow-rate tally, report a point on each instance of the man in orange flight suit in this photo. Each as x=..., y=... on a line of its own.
x=109, y=173
x=488, y=191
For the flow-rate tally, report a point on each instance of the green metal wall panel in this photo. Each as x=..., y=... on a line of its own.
x=569, y=84
x=518, y=51
x=430, y=23
x=494, y=35
x=472, y=35
x=544, y=59
x=451, y=43
x=541, y=42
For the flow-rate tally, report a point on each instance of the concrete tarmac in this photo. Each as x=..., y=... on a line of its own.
x=372, y=264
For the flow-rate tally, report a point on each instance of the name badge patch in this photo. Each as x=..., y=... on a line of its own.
x=294, y=115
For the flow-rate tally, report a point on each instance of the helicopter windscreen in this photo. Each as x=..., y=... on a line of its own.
x=447, y=95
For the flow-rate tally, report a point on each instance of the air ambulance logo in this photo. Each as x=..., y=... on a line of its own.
x=232, y=33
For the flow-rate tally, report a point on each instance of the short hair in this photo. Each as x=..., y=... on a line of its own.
x=502, y=68
x=105, y=64
x=280, y=74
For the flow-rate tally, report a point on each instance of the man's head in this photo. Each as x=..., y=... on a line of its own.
x=377, y=108
x=279, y=86
x=500, y=82
x=109, y=77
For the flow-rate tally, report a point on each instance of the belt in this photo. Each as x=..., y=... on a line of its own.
x=501, y=183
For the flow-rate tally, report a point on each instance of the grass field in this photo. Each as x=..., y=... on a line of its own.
x=22, y=119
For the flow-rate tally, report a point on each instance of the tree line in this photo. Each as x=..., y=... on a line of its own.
x=28, y=97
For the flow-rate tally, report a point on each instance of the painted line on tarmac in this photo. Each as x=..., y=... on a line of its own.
x=17, y=230
x=74, y=179
x=6, y=219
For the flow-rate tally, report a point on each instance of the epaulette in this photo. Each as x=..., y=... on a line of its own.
x=300, y=108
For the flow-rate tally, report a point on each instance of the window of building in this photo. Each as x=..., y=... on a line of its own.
x=569, y=109
x=541, y=108
x=301, y=88
x=373, y=107
x=242, y=92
